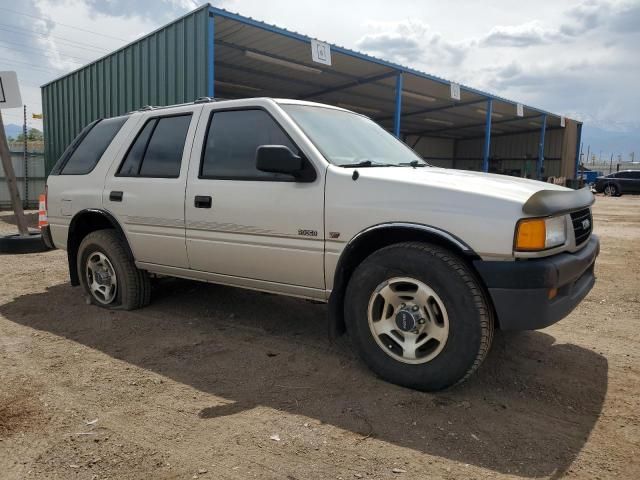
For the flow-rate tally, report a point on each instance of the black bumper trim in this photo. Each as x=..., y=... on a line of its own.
x=520, y=289
x=548, y=272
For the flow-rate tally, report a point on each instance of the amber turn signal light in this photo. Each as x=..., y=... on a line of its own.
x=531, y=235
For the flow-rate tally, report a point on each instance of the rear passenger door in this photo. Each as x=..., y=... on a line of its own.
x=145, y=188
x=251, y=227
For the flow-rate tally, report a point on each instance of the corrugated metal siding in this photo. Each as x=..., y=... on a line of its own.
x=168, y=66
x=508, y=152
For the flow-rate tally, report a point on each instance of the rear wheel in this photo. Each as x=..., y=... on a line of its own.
x=108, y=273
x=418, y=316
x=611, y=190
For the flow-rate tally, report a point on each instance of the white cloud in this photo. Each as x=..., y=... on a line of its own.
x=410, y=42
x=523, y=35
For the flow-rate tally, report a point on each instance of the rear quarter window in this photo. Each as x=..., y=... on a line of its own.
x=88, y=152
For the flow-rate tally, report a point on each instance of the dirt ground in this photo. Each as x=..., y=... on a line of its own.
x=217, y=382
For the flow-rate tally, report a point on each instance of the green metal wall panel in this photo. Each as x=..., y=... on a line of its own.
x=166, y=67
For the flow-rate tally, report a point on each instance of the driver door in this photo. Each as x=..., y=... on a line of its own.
x=246, y=226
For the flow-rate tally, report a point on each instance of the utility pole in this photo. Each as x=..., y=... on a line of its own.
x=611, y=164
x=25, y=167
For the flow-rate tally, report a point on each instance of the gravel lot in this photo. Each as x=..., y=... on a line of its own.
x=216, y=382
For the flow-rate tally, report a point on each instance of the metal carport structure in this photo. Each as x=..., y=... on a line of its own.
x=216, y=53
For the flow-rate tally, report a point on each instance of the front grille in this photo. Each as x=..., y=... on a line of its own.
x=582, y=225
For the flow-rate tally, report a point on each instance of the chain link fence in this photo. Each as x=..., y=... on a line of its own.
x=30, y=174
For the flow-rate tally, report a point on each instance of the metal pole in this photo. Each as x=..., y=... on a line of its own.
x=611, y=164
x=211, y=87
x=578, y=149
x=10, y=177
x=487, y=137
x=540, y=165
x=588, y=152
x=455, y=152
x=25, y=168
x=398, y=114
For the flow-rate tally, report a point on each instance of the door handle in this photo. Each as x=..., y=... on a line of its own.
x=202, y=201
x=115, y=196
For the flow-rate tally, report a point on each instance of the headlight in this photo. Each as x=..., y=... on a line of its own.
x=534, y=234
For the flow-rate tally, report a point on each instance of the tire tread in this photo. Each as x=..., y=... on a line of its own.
x=135, y=287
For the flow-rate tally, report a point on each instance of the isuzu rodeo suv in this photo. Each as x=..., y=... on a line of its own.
x=419, y=265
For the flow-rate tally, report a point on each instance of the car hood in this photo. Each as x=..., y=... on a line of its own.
x=513, y=189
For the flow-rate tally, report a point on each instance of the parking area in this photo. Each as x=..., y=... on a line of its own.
x=217, y=382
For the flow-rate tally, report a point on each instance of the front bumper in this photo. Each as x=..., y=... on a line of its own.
x=520, y=289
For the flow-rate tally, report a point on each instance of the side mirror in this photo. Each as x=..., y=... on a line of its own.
x=278, y=159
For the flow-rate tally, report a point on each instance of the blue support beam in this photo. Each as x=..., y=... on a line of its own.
x=211, y=79
x=397, y=118
x=486, y=150
x=540, y=164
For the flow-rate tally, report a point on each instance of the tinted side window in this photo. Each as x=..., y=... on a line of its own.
x=628, y=175
x=164, y=152
x=87, y=154
x=131, y=165
x=157, y=150
x=635, y=175
x=232, y=140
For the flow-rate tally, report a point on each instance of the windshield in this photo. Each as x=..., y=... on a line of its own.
x=348, y=139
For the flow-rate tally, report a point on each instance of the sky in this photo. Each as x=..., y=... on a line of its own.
x=579, y=58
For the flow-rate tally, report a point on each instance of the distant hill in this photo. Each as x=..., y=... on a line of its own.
x=12, y=130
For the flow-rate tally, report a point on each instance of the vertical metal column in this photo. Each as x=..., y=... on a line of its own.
x=487, y=137
x=578, y=148
x=398, y=115
x=25, y=160
x=211, y=84
x=540, y=164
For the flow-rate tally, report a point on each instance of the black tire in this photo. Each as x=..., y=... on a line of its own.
x=16, y=244
x=470, y=315
x=133, y=285
x=611, y=190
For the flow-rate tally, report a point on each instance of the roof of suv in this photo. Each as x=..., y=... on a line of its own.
x=285, y=101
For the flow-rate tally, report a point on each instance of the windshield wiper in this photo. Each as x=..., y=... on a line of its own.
x=365, y=163
x=415, y=164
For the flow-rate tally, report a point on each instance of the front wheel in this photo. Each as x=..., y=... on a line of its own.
x=418, y=317
x=611, y=190
x=109, y=275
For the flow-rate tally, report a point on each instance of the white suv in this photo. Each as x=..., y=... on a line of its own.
x=418, y=264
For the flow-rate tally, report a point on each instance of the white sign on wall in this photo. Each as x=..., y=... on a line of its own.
x=455, y=91
x=520, y=110
x=9, y=90
x=320, y=52
x=562, y=122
